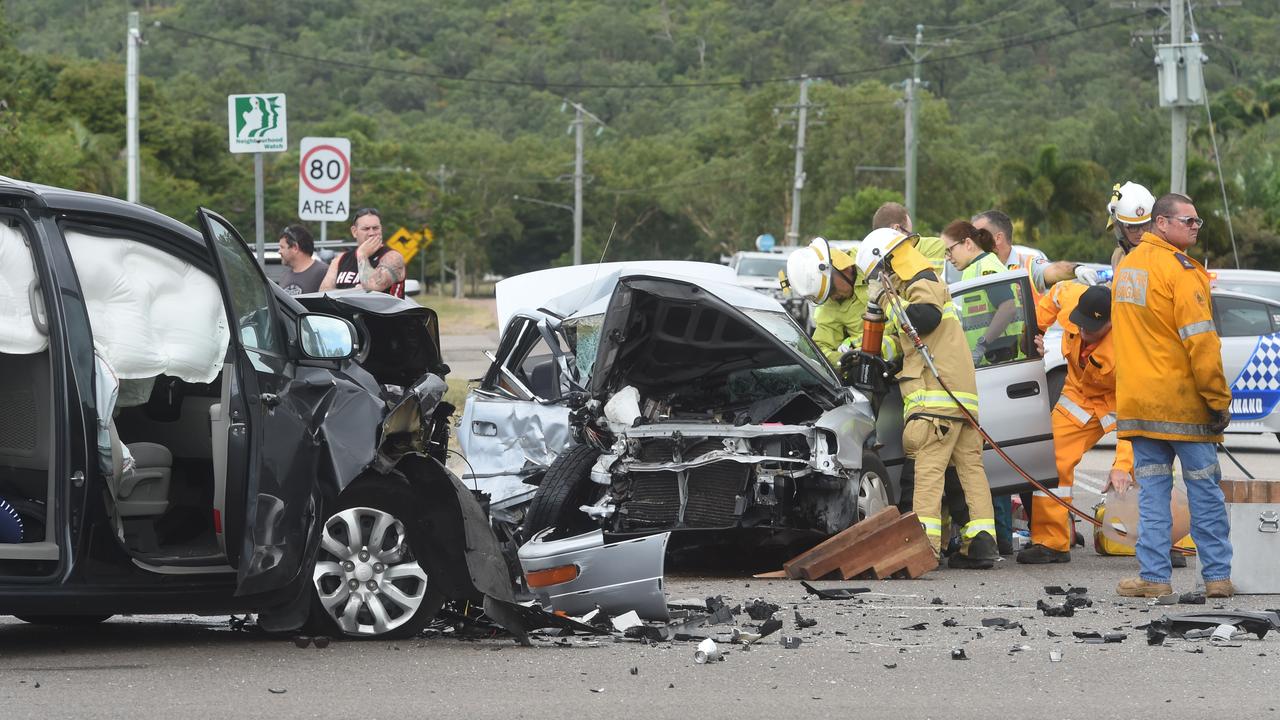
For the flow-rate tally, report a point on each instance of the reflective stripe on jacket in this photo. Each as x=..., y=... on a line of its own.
x=1171, y=382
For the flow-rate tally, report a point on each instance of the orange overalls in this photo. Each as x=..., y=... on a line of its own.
x=1084, y=413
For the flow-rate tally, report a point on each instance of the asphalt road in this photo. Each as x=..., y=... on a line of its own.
x=175, y=666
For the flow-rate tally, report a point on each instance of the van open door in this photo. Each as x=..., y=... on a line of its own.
x=271, y=462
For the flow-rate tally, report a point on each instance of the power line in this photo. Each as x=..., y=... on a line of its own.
x=497, y=82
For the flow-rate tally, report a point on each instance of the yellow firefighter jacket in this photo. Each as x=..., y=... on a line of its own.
x=1170, y=379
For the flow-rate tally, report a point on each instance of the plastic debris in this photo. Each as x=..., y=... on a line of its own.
x=790, y=642
x=1186, y=625
x=890, y=666
x=1155, y=636
x=1191, y=598
x=844, y=593
x=917, y=626
x=950, y=622
x=1055, y=656
x=958, y=654
x=1170, y=599
x=597, y=690
x=936, y=601
x=273, y=691
x=803, y=622
x=625, y=621
x=770, y=626
x=707, y=652
x=994, y=622
x=760, y=610
x=1063, y=610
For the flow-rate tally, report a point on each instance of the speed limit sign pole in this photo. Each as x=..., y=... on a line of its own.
x=324, y=181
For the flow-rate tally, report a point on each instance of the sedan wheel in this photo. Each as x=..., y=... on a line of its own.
x=873, y=490
x=369, y=582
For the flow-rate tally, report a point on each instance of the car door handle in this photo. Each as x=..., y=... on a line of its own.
x=271, y=400
x=483, y=428
x=1027, y=389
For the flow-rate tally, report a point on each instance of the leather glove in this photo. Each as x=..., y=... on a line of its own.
x=1087, y=275
x=1220, y=420
x=875, y=290
x=979, y=352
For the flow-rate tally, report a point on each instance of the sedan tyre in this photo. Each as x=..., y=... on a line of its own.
x=874, y=492
x=372, y=578
x=566, y=487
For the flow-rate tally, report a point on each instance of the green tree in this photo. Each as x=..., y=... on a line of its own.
x=1051, y=194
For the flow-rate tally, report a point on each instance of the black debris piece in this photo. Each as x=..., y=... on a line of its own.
x=1155, y=636
x=770, y=626
x=1097, y=638
x=1022, y=631
x=671, y=686
x=950, y=622
x=936, y=601
x=715, y=603
x=790, y=642
x=994, y=622
x=1196, y=650
x=597, y=690
x=273, y=691
x=1078, y=599
x=721, y=616
x=602, y=620
x=804, y=622
x=1063, y=610
x=958, y=654
x=917, y=626
x=1053, y=634
x=841, y=632
x=238, y=623
x=652, y=633
x=635, y=670
x=890, y=666
x=844, y=593
x=1054, y=590
x=760, y=610
x=1258, y=623
x=1191, y=598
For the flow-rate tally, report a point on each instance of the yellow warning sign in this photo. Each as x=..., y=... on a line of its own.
x=405, y=242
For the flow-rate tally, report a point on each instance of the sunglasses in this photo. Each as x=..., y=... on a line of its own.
x=1192, y=222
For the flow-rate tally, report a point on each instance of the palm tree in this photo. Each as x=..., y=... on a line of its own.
x=1051, y=194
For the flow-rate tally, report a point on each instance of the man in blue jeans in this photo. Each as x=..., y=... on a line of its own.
x=1172, y=398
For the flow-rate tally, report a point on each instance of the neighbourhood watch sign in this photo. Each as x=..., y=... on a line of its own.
x=256, y=123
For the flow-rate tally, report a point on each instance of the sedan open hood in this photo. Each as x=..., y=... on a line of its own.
x=725, y=343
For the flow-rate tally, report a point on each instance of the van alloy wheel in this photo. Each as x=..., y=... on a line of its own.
x=366, y=577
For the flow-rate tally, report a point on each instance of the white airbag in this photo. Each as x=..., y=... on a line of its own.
x=151, y=313
x=18, y=332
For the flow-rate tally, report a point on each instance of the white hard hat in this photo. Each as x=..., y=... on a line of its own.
x=877, y=246
x=809, y=269
x=1130, y=204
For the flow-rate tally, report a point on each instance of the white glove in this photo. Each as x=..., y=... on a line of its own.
x=1087, y=275
x=875, y=290
x=845, y=346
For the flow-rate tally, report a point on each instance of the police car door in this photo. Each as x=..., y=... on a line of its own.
x=1250, y=333
x=1013, y=396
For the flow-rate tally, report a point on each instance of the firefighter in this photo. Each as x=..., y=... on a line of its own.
x=1128, y=216
x=825, y=276
x=1172, y=398
x=935, y=433
x=1084, y=413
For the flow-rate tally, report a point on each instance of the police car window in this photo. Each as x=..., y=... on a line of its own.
x=997, y=312
x=1241, y=318
x=250, y=297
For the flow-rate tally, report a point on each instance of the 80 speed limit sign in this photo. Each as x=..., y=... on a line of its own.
x=324, y=179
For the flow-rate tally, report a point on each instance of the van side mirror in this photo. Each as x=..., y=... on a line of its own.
x=325, y=337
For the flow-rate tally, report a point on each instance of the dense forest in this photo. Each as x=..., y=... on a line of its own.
x=454, y=108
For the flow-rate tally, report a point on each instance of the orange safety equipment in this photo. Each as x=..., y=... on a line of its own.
x=872, y=329
x=1171, y=386
x=1085, y=412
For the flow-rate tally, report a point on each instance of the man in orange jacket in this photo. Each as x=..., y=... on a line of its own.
x=1084, y=413
x=1172, y=399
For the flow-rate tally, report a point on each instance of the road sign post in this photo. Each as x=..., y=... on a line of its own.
x=324, y=179
x=257, y=124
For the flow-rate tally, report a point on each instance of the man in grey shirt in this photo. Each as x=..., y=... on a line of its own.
x=304, y=272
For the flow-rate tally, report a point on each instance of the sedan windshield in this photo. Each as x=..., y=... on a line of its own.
x=780, y=325
x=762, y=266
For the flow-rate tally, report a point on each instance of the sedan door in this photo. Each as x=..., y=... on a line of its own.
x=1250, y=360
x=271, y=457
x=1013, y=397
x=513, y=425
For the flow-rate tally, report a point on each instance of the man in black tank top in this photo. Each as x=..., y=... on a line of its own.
x=372, y=265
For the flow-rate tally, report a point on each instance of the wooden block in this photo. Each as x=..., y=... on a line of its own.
x=771, y=575
x=896, y=548
x=816, y=562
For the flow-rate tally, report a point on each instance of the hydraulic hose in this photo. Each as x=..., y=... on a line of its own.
x=923, y=349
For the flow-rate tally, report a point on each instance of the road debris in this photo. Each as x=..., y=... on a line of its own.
x=842, y=593
x=1055, y=656
x=1202, y=624
x=757, y=609
x=1064, y=610
x=790, y=642
x=958, y=654
x=1191, y=598
x=1096, y=638
x=273, y=691
x=918, y=626
x=804, y=622
x=707, y=652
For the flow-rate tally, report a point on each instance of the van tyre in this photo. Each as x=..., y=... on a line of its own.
x=372, y=577
x=566, y=487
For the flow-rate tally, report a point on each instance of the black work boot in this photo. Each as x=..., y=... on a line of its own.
x=981, y=554
x=1038, y=554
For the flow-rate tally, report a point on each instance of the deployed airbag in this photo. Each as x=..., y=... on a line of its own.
x=18, y=332
x=151, y=312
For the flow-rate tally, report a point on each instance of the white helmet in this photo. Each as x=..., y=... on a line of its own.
x=1130, y=204
x=876, y=247
x=809, y=270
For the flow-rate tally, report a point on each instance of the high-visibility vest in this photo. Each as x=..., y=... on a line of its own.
x=977, y=310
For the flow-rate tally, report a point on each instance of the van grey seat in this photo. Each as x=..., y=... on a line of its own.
x=144, y=490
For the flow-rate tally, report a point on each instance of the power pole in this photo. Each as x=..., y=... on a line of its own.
x=442, y=176
x=1179, y=75
x=802, y=126
x=581, y=116
x=911, y=138
x=132, y=41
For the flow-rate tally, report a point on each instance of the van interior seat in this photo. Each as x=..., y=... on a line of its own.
x=144, y=490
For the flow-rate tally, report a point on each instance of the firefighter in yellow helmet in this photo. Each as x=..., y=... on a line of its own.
x=935, y=432
x=1129, y=216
